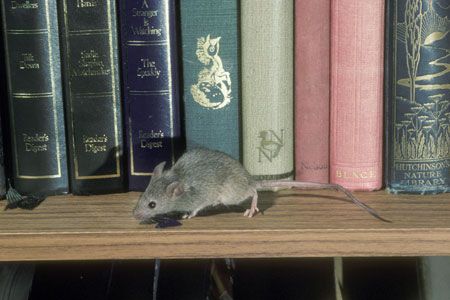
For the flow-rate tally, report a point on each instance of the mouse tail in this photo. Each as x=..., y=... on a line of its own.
x=268, y=184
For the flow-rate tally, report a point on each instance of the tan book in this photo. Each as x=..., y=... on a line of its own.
x=267, y=29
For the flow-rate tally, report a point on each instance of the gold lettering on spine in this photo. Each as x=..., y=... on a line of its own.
x=87, y=3
x=93, y=147
x=24, y=4
x=35, y=143
x=27, y=61
x=365, y=174
x=151, y=64
x=148, y=68
x=421, y=134
x=31, y=5
x=146, y=15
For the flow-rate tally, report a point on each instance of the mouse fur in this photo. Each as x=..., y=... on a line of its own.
x=200, y=178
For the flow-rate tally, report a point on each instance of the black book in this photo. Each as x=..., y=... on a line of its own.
x=92, y=95
x=36, y=117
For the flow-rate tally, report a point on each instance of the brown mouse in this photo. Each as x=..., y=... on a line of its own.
x=203, y=178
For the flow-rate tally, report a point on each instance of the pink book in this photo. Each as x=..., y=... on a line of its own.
x=312, y=87
x=356, y=124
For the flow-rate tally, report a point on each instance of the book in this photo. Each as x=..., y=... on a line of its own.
x=92, y=95
x=312, y=90
x=433, y=277
x=36, y=115
x=16, y=280
x=2, y=166
x=417, y=97
x=267, y=29
x=356, y=111
x=3, y=121
x=211, y=74
x=150, y=84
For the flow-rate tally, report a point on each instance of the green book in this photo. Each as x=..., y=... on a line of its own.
x=267, y=87
x=210, y=56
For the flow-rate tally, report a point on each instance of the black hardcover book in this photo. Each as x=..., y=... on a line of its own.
x=36, y=118
x=3, y=99
x=2, y=166
x=92, y=95
x=150, y=84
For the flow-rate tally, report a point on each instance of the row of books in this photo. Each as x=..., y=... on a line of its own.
x=282, y=278
x=113, y=95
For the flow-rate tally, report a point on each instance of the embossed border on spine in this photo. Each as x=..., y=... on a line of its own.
x=168, y=92
x=113, y=88
x=51, y=94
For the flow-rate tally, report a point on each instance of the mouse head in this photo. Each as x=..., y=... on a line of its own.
x=159, y=198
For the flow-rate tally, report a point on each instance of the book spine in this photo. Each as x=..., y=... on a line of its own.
x=92, y=94
x=418, y=97
x=267, y=88
x=357, y=41
x=312, y=90
x=35, y=97
x=211, y=70
x=2, y=166
x=150, y=83
x=433, y=277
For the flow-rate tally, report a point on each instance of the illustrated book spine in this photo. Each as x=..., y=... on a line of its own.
x=92, y=95
x=36, y=114
x=356, y=118
x=418, y=97
x=211, y=74
x=267, y=88
x=150, y=84
x=312, y=90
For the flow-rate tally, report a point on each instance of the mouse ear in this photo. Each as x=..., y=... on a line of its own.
x=157, y=171
x=175, y=189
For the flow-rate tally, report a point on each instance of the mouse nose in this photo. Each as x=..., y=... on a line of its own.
x=138, y=214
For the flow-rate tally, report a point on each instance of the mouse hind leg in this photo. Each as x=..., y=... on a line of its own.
x=253, y=210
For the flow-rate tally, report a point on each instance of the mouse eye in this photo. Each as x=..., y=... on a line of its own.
x=152, y=204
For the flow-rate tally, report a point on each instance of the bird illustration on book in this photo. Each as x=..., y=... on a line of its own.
x=213, y=88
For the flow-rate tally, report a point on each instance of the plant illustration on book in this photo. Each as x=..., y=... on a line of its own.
x=213, y=88
x=423, y=40
x=270, y=145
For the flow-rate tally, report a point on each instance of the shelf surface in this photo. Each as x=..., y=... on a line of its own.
x=294, y=224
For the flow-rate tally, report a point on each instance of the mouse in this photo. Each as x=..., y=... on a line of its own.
x=203, y=178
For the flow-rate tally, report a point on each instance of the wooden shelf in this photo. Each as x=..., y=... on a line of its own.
x=294, y=224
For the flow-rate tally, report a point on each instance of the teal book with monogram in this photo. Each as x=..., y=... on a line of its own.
x=210, y=47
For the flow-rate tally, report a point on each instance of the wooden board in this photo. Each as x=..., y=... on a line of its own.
x=294, y=224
